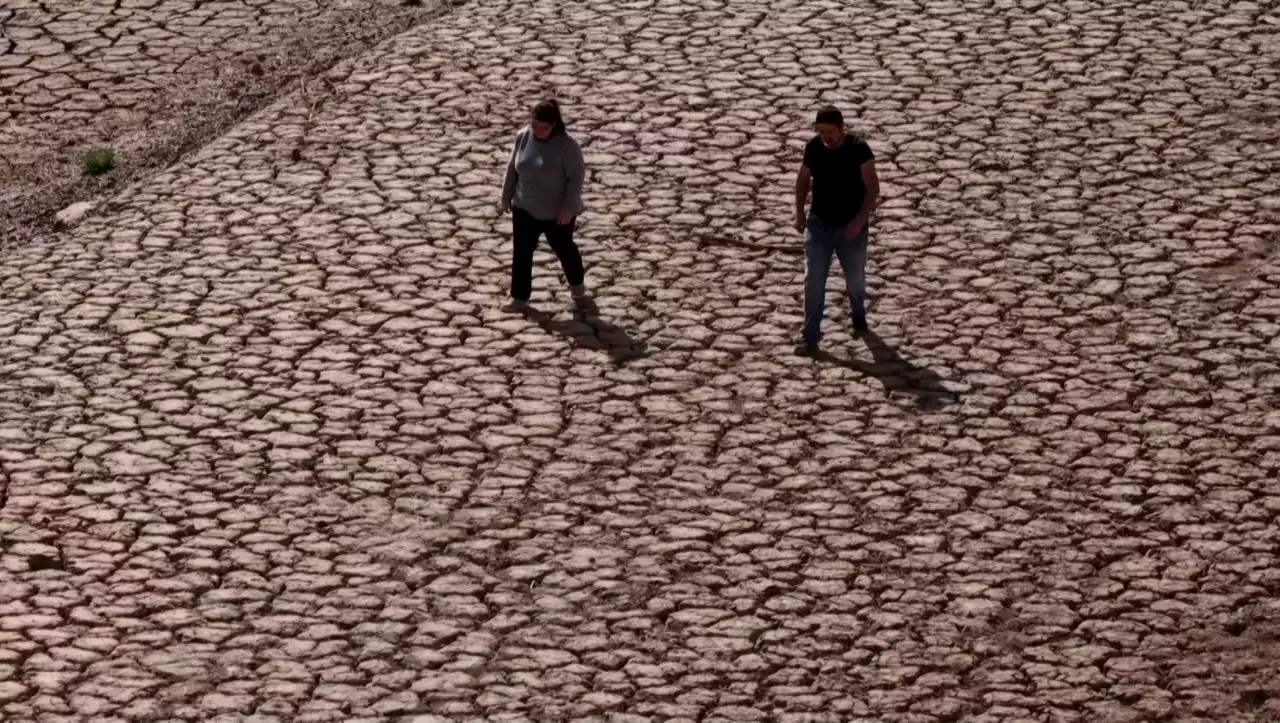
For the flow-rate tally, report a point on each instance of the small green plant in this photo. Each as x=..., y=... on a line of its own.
x=99, y=161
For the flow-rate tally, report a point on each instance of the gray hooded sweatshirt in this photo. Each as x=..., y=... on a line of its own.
x=545, y=177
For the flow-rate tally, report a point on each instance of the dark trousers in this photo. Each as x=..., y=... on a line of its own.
x=525, y=232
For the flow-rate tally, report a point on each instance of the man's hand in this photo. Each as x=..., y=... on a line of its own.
x=504, y=205
x=853, y=229
x=564, y=218
x=800, y=221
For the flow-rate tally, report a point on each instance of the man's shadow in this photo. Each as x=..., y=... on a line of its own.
x=897, y=374
x=589, y=330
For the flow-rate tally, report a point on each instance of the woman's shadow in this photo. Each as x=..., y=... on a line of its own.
x=897, y=374
x=589, y=330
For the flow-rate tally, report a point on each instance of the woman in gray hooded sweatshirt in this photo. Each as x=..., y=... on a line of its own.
x=543, y=192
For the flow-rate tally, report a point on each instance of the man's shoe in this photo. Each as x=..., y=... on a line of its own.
x=578, y=292
x=860, y=325
x=807, y=348
x=517, y=306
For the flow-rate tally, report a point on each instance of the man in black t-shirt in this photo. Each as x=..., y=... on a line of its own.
x=842, y=172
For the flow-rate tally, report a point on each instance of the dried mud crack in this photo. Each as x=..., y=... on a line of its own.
x=273, y=452
x=153, y=81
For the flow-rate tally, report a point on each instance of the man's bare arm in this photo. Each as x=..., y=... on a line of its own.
x=872, y=182
x=803, y=181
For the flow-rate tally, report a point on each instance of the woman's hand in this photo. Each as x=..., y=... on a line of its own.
x=565, y=218
x=504, y=205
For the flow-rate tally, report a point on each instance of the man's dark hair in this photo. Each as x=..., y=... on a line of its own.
x=548, y=111
x=830, y=114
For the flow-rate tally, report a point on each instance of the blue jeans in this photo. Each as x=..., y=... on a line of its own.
x=820, y=242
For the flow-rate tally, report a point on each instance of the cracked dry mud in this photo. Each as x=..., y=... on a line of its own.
x=151, y=79
x=271, y=451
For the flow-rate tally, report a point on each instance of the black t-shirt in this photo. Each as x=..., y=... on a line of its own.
x=838, y=189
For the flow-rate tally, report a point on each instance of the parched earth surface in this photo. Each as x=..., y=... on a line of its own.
x=150, y=79
x=272, y=451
